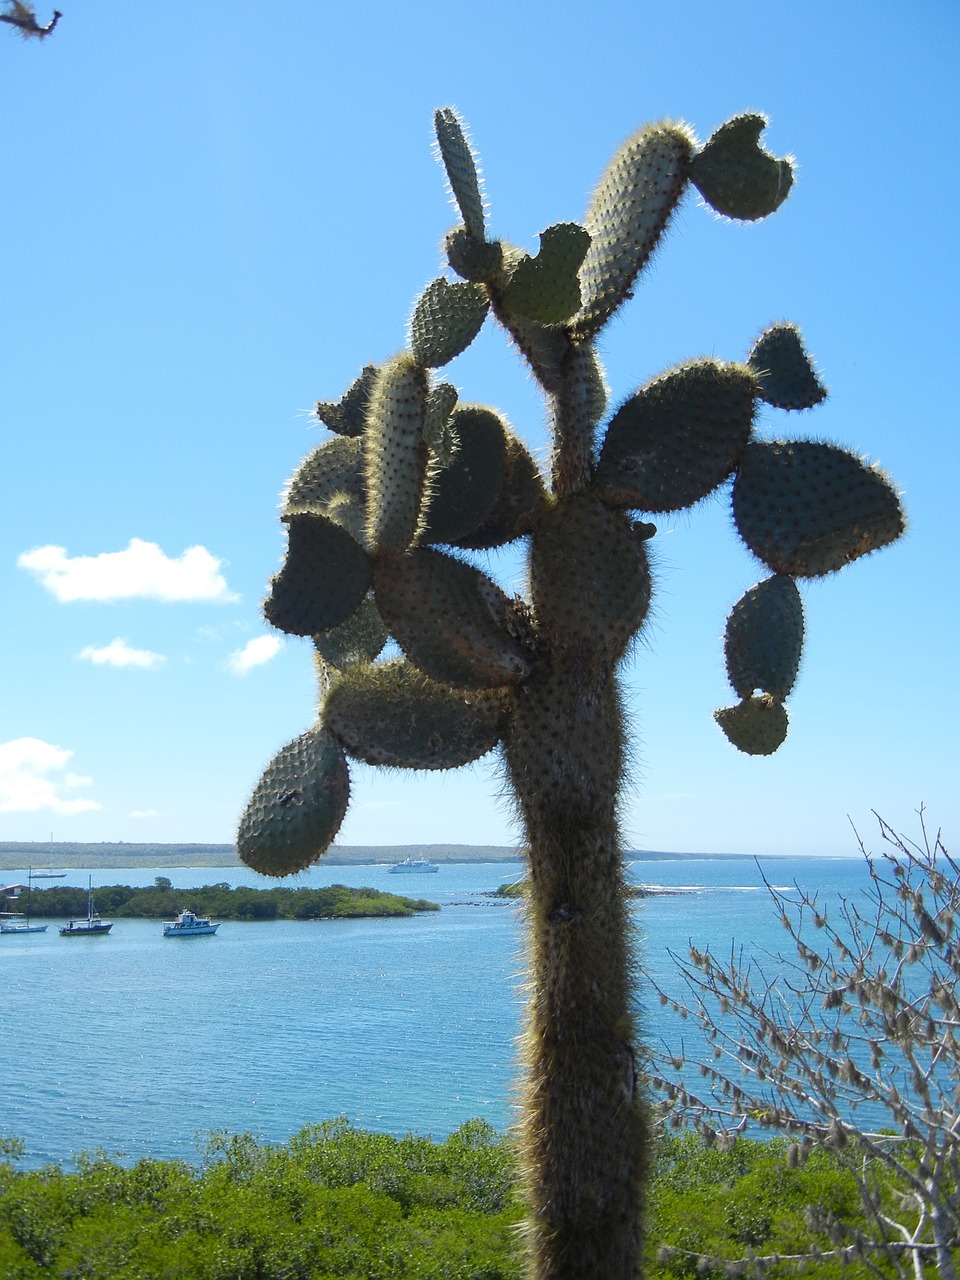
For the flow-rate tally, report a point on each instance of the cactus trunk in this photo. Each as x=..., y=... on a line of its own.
x=584, y=1140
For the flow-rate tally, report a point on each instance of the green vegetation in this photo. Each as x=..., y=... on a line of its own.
x=160, y=901
x=340, y=1202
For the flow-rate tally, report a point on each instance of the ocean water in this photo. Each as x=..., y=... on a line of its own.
x=140, y=1045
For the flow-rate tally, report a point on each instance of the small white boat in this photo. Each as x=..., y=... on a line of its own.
x=20, y=924
x=188, y=925
x=413, y=866
x=89, y=927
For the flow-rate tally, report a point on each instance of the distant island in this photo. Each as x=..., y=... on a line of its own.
x=163, y=901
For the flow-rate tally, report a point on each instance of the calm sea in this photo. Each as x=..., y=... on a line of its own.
x=138, y=1045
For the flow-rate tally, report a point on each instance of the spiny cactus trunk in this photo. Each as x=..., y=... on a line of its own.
x=583, y=1133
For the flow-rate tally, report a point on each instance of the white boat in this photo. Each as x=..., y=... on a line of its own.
x=188, y=925
x=20, y=922
x=413, y=866
x=87, y=927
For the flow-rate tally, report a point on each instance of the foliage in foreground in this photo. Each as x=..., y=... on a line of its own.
x=160, y=901
x=341, y=1202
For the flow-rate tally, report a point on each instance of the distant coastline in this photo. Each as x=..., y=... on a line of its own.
x=66, y=855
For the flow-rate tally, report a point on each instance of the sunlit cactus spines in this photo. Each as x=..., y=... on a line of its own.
x=387, y=525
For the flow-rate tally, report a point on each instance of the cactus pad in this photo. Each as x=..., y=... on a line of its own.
x=446, y=319
x=395, y=454
x=332, y=470
x=736, y=176
x=451, y=620
x=324, y=577
x=460, y=165
x=590, y=575
x=757, y=726
x=359, y=639
x=392, y=714
x=807, y=508
x=440, y=438
x=297, y=806
x=473, y=259
x=785, y=374
x=522, y=497
x=348, y=415
x=463, y=493
x=764, y=638
x=678, y=438
x=628, y=213
x=546, y=288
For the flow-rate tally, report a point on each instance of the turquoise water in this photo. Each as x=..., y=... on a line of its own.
x=138, y=1044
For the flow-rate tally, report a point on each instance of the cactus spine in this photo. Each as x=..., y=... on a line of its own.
x=375, y=520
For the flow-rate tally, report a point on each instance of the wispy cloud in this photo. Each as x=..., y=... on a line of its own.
x=119, y=653
x=253, y=654
x=143, y=571
x=144, y=813
x=26, y=784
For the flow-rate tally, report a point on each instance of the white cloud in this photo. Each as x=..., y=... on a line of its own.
x=144, y=813
x=141, y=572
x=25, y=786
x=119, y=653
x=253, y=654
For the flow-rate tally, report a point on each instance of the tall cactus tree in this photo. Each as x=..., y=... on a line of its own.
x=377, y=521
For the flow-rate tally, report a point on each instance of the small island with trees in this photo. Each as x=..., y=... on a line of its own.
x=162, y=901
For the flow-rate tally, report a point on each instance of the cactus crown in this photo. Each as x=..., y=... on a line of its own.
x=377, y=515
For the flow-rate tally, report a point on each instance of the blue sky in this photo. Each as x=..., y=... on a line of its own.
x=216, y=214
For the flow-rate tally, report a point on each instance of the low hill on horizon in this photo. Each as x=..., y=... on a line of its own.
x=62, y=855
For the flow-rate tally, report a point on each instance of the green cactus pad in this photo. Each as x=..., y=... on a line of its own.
x=678, y=438
x=473, y=259
x=395, y=454
x=756, y=726
x=440, y=438
x=324, y=577
x=460, y=165
x=590, y=575
x=392, y=714
x=807, y=508
x=452, y=621
x=628, y=213
x=764, y=638
x=736, y=176
x=523, y=496
x=785, y=373
x=446, y=319
x=359, y=639
x=331, y=470
x=348, y=415
x=547, y=288
x=462, y=494
x=297, y=806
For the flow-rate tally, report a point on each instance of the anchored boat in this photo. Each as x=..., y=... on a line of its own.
x=188, y=925
x=89, y=927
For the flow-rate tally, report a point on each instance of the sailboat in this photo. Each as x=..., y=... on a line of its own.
x=91, y=925
x=17, y=925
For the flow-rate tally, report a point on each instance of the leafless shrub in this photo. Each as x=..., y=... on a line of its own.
x=861, y=1019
